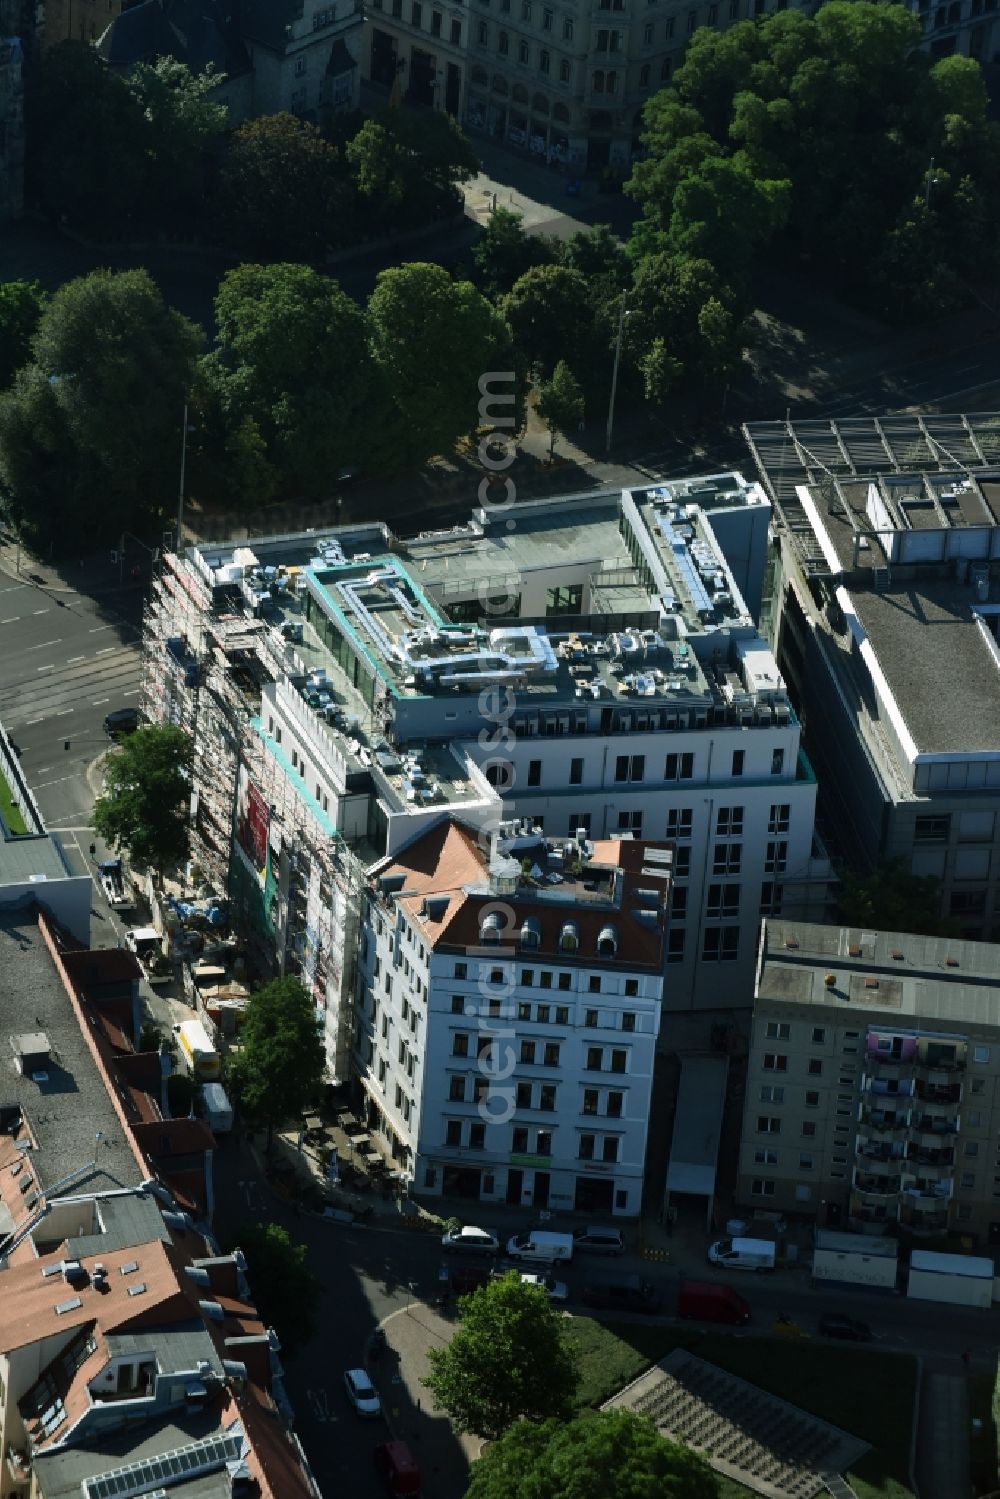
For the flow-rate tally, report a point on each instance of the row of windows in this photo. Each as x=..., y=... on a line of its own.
x=472, y=1136
x=543, y=977
x=676, y=767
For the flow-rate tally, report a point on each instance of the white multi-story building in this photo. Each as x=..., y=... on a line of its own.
x=585, y=664
x=508, y=1013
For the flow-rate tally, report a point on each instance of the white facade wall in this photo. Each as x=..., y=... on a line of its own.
x=749, y=833
x=413, y=1067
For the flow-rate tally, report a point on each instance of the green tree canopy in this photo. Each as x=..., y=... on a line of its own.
x=406, y=167
x=891, y=899
x=184, y=126
x=283, y=193
x=90, y=430
x=550, y=315
x=292, y=360
x=433, y=339
x=686, y=324
x=595, y=1456
x=279, y=1068
x=560, y=403
x=284, y=1289
x=144, y=807
x=503, y=252
x=21, y=306
x=817, y=135
x=506, y=1361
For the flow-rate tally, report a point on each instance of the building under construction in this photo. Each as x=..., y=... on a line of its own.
x=257, y=832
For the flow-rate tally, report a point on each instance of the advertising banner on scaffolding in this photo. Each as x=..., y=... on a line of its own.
x=255, y=882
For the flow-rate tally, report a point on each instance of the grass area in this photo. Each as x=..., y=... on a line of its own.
x=9, y=809
x=982, y=1444
x=869, y=1395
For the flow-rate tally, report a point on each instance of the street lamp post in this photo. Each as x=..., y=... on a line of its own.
x=614, y=373
x=180, y=491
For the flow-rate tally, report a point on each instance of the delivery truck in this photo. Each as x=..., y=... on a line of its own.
x=743, y=1254
x=705, y=1301
x=218, y=1109
x=197, y=1052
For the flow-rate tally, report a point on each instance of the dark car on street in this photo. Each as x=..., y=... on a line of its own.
x=122, y=721
x=833, y=1325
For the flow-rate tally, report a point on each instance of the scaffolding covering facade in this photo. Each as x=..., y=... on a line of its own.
x=294, y=884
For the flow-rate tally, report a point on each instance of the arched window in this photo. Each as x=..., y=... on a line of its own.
x=569, y=937
x=530, y=933
x=503, y=45
x=540, y=104
x=644, y=75
x=597, y=82
x=607, y=942
x=483, y=33
x=491, y=927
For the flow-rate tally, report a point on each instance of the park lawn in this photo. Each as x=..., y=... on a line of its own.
x=9, y=809
x=869, y=1395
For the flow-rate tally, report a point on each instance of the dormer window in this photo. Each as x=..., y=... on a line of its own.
x=607, y=942
x=530, y=934
x=569, y=937
x=491, y=927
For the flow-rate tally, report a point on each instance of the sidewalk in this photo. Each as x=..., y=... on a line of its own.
x=942, y=1453
x=443, y=1454
x=93, y=574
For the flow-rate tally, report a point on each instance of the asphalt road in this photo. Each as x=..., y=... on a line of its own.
x=67, y=660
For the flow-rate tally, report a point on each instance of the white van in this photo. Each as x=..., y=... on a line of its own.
x=743, y=1254
x=539, y=1248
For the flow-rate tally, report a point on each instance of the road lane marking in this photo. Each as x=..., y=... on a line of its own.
x=132, y=692
x=104, y=651
x=98, y=700
x=29, y=721
x=40, y=611
x=12, y=621
x=43, y=644
x=73, y=660
x=64, y=711
x=98, y=628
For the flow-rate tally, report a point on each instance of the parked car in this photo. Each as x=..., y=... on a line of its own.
x=541, y=1247
x=631, y=1293
x=362, y=1393
x=122, y=721
x=398, y=1467
x=470, y=1240
x=834, y=1325
x=555, y=1290
x=598, y=1240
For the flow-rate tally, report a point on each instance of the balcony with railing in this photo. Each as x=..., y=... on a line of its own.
x=874, y=1148
x=929, y=1120
x=926, y=1150
x=923, y=1215
x=883, y=1123
x=871, y=1186
x=864, y=1212
x=937, y=1088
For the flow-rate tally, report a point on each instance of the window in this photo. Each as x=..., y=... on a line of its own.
x=523, y=1095
x=765, y=1157
x=777, y=858
x=630, y=822
x=564, y=75
x=723, y=900
x=980, y=1053
x=628, y=1020
x=968, y=1179
x=542, y=1014
x=567, y=30
x=300, y=67
x=734, y=10
x=579, y=820
x=524, y=53
x=628, y=767
x=543, y=1142
x=739, y=758
x=435, y=23
x=675, y=945
x=587, y=1147
x=770, y=1094
x=973, y=1118
x=679, y=821
x=547, y=18
x=615, y=1106
x=812, y=1099
x=456, y=1090
x=519, y=1141
x=534, y=772
x=527, y=1052
x=594, y=987
x=721, y=944
x=777, y=1030
x=502, y=44
x=777, y=762
x=551, y=1054
x=545, y=979
x=815, y=1067
x=692, y=20
x=819, y=1035
x=805, y=1162
x=679, y=767
x=456, y=33
x=562, y=1015
x=778, y=817
x=461, y=970
x=768, y=1124
x=809, y=1128
x=971, y=1148
x=761, y=1187
x=669, y=28
x=477, y=1136
x=931, y=829
x=590, y=1097
x=729, y=822
x=727, y=858
x=610, y=1151
x=525, y=10
x=575, y=766
x=460, y=1044
x=453, y=1132
x=415, y=13
x=457, y=1004
x=618, y=1060
x=713, y=15
x=775, y=1061
x=682, y=862
x=565, y=981
x=647, y=34
x=665, y=69
x=595, y=1059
